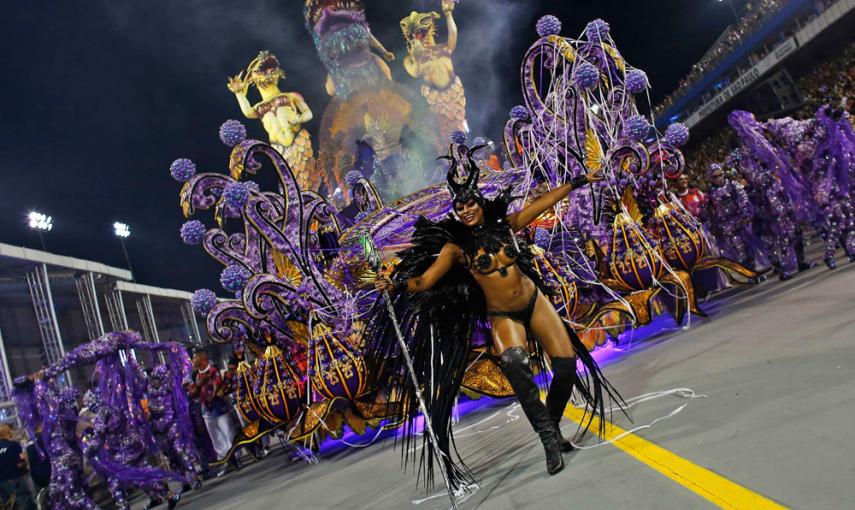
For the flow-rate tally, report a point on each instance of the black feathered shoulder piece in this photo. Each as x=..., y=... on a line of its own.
x=437, y=326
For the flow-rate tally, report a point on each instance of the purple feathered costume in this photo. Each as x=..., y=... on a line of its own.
x=780, y=199
x=121, y=433
x=176, y=443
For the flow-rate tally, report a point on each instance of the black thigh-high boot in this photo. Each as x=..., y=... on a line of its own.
x=517, y=368
x=563, y=380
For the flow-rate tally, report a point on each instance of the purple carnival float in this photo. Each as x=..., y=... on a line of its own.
x=295, y=263
x=580, y=114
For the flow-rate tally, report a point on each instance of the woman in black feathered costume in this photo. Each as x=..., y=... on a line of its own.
x=462, y=273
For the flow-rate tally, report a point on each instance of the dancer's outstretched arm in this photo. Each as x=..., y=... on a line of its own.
x=521, y=219
x=450, y=255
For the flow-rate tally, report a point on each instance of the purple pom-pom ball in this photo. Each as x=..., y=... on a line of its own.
x=636, y=128
x=457, y=136
x=234, y=278
x=236, y=194
x=252, y=186
x=232, y=132
x=193, y=232
x=636, y=81
x=597, y=30
x=352, y=177
x=586, y=76
x=548, y=25
x=203, y=300
x=182, y=169
x=677, y=134
x=520, y=112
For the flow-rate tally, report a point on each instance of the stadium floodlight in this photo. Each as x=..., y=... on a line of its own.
x=40, y=221
x=122, y=230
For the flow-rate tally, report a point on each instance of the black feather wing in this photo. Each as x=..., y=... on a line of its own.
x=437, y=327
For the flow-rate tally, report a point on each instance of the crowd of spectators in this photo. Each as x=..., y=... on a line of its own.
x=830, y=82
x=757, y=13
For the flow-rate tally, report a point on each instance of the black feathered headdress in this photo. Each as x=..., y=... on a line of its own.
x=461, y=160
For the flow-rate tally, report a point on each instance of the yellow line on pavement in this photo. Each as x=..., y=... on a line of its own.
x=713, y=487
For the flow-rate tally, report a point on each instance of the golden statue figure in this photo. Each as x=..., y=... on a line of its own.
x=282, y=114
x=431, y=62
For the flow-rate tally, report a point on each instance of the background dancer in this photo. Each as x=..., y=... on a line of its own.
x=174, y=437
x=728, y=212
x=206, y=384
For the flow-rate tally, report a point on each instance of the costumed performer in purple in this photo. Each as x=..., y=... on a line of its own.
x=174, y=437
x=111, y=445
x=41, y=403
x=728, y=211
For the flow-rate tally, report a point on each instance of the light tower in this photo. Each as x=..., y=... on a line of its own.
x=40, y=222
x=123, y=231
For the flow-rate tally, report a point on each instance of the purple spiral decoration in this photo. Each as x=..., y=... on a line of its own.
x=597, y=30
x=236, y=194
x=203, y=300
x=193, y=232
x=520, y=112
x=234, y=278
x=232, y=132
x=636, y=128
x=586, y=76
x=677, y=134
x=636, y=81
x=182, y=169
x=667, y=159
x=548, y=25
x=629, y=157
x=457, y=136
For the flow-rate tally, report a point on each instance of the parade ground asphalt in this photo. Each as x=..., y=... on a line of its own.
x=773, y=426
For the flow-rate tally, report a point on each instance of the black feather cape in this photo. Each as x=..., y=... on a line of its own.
x=438, y=326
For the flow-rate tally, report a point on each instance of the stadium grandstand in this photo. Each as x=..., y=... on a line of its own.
x=758, y=58
x=782, y=58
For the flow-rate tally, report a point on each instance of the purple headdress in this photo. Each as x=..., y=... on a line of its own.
x=713, y=168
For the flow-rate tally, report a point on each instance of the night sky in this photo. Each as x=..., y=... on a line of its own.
x=100, y=96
